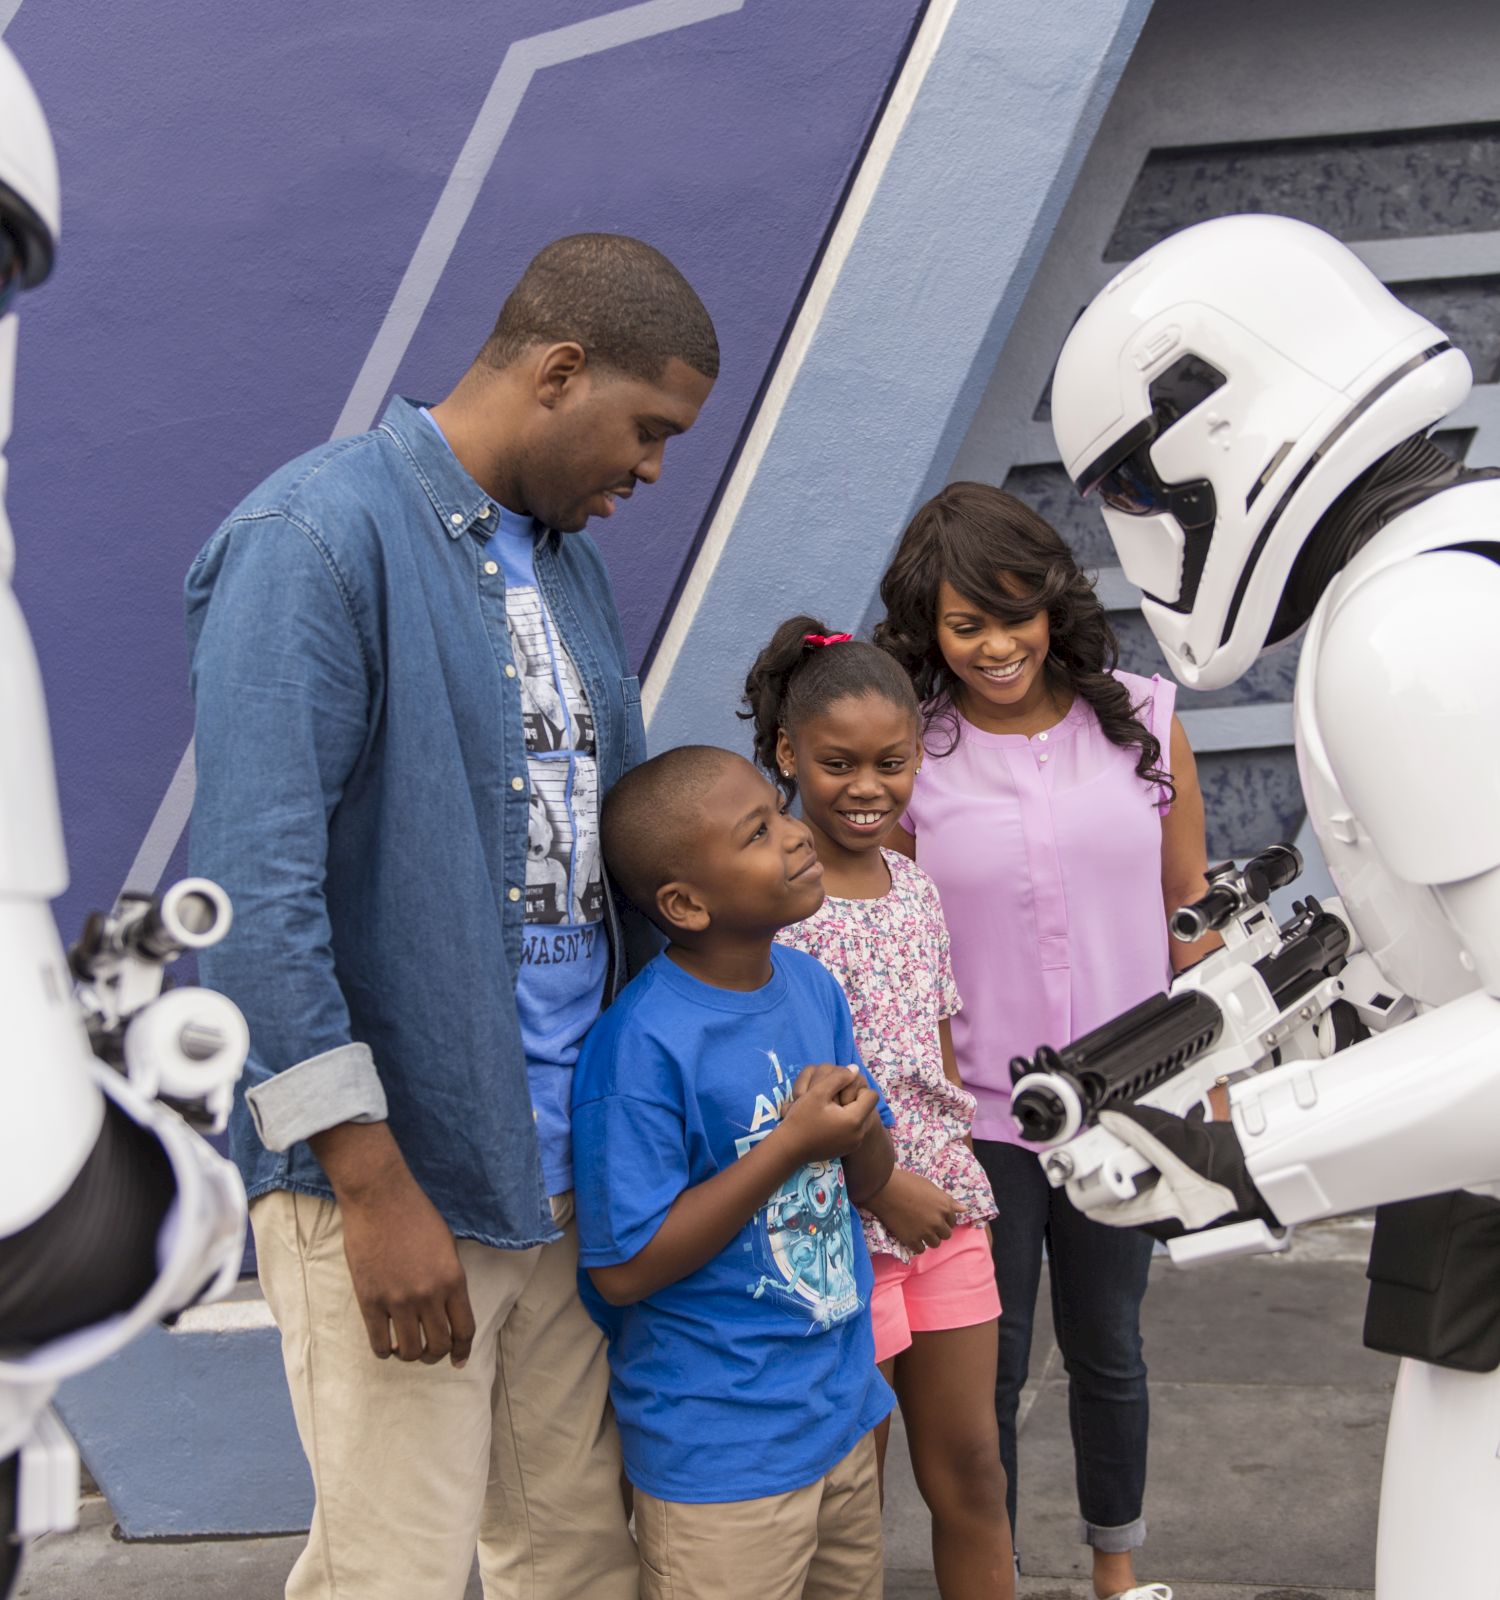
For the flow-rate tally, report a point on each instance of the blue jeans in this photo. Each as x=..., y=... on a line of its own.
x=1098, y=1280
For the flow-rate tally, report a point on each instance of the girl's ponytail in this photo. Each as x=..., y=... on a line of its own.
x=803, y=671
x=766, y=686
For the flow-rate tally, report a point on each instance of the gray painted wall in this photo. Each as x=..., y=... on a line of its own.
x=1373, y=118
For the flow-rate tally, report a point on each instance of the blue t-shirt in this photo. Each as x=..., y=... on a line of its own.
x=564, y=950
x=756, y=1374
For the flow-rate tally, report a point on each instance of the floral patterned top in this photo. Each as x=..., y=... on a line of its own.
x=890, y=956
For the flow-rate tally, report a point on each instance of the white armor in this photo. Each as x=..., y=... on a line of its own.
x=1310, y=377
x=56, y=1093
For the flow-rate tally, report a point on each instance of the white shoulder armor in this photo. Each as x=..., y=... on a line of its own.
x=1357, y=735
x=1408, y=704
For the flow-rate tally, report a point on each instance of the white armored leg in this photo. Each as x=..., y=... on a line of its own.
x=1440, y=1491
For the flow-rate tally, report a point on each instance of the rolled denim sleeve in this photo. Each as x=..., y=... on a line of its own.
x=341, y=1085
x=282, y=695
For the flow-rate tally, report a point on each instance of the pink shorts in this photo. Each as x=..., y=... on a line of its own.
x=949, y=1286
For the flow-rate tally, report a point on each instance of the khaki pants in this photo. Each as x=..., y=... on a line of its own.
x=817, y=1543
x=415, y=1466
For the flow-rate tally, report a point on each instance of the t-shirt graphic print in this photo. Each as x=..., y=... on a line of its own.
x=564, y=882
x=803, y=1237
x=805, y=1246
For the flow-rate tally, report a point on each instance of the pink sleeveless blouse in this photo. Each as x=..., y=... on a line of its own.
x=1046, y=852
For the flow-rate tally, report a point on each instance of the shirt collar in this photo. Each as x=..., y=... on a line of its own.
x=458, y=501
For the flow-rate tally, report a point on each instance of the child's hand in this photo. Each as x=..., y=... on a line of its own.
x=829, y=1113
x=916, y=1213
x=850, y=1081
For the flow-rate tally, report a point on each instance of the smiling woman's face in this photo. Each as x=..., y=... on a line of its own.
x=999, y=665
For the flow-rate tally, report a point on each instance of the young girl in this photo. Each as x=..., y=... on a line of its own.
x=837, y=720
x=1059, y=815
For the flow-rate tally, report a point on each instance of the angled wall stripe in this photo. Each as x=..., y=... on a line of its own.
x=966, y=179
x=166, y=828
x=524, y=59
x=520, y=64
x=914, y=72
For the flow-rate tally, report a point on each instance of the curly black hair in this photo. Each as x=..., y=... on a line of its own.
x=793, y=679
x=968, y=536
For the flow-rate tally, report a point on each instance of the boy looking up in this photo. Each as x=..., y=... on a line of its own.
x=724, y=1129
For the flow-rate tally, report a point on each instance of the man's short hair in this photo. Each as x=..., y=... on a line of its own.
x=623, y=301
x=651, y=817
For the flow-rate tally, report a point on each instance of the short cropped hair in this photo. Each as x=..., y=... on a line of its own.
x=650, y=817
x=622, y=300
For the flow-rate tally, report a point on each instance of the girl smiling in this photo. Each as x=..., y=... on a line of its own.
x=836, y=721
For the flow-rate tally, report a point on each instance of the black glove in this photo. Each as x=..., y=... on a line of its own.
x=1201, y=1177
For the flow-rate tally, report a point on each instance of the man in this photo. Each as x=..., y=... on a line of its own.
x=411, y=688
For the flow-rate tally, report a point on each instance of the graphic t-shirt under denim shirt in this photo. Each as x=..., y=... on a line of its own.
x=755, y=1374
x=564, y=951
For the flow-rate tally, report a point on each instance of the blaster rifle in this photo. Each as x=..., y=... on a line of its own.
x=1272, y=993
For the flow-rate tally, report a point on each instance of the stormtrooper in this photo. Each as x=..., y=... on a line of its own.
x=114, y=1212
x=1252, y=407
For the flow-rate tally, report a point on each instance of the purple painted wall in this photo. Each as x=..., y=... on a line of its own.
x=243, y=189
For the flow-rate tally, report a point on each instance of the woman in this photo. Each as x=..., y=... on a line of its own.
x=1059, y=813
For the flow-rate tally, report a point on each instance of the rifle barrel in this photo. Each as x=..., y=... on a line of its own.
x=1129, y=1055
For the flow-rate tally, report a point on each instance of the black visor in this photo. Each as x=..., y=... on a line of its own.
x=1135, y=487
x=1126, y=479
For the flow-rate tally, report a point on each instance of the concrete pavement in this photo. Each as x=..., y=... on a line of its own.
x=1268, y=1421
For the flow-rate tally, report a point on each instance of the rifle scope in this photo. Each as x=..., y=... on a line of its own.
x=1230, y=891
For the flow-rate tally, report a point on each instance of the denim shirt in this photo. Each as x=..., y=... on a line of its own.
x=362, y=796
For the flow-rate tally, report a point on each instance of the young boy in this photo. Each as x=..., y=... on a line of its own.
x=716, y=1172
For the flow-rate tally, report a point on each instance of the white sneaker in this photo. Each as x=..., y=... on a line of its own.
x=1144, y=1591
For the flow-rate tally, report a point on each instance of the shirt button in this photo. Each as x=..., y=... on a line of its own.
x=1041, y=736
x=491, y=568
x=510, y=671
x=1042, y=756
x=484, y=513
x=518, y=783
x=457, y=519
x=513, y=894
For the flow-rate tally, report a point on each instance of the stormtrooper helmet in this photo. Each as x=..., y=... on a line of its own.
x=1218, y=395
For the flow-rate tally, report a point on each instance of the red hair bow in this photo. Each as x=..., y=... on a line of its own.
x=818, y=640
